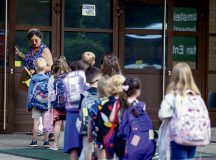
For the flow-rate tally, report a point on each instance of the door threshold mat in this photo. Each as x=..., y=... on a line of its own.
x=37, y=153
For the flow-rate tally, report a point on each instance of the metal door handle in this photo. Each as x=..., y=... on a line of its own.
x=11, y=71
x=169, y=73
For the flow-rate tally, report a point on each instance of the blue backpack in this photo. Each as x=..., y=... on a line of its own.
x=85, y=106
x=137, y=130
x=60, y=99
x=39, y=96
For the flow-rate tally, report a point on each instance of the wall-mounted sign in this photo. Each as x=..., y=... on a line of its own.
x=184, y=48
x=88, y=10
x=185, y=19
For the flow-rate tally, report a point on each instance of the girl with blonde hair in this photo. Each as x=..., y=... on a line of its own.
x=181, y=85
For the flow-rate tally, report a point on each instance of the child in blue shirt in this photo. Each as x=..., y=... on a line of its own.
x=36, y=103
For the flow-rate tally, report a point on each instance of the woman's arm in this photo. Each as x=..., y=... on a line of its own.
x=20, y=54
x=48, y=57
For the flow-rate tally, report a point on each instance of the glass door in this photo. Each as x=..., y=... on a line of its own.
x=44, y=15
x=155, y=35
x=142, y=48
x=3, y=64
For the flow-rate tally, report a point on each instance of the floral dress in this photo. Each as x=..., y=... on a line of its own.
x=31, y=59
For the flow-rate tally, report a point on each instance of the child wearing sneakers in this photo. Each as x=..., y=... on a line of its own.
x=37, y=100
x=84, y=122
x=59, y=70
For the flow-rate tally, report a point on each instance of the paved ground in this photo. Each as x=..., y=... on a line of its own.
x=21, y=140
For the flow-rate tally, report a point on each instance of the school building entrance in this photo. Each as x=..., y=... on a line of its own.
x=148, y=36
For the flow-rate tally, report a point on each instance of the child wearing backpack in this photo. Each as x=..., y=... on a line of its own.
x=75, y=83
x=105, y=129
x=88, y=98
x=57, y=100
x=37, y=100
x=135, y=127
x=185, y=120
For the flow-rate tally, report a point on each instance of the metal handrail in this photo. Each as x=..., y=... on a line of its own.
x=5, y=65
x=164, y=47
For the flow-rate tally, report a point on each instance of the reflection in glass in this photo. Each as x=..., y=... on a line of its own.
x=23, y=44
x=185, y=49
x=36, y=12
x=77, y=43
x=74, y=19
x=143, y=51
x=144, y=16
x=2, y=47
x=185, y=19
x=2, y=11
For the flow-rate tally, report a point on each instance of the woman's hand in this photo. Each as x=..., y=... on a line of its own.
x=32, y=71
x=17, y=52
x=20, y=54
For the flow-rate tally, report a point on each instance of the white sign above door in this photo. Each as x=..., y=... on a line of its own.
x=88, y=10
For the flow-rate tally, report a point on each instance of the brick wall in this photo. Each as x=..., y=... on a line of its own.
x=212, y=47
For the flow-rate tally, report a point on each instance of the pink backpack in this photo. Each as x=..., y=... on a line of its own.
x=190, y=126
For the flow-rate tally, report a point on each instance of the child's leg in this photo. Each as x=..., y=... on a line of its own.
x=40, y=128
x=74, y=154
x=57, y=129
x=35, y=128
x=101, y=154
x=88, y=148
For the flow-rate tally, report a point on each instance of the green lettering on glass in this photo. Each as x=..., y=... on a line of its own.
x=185, y=19
x=184, y=48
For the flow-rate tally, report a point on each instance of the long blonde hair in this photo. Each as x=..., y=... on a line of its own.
x=182, y=79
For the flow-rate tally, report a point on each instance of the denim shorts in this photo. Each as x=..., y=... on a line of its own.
x=180, y=152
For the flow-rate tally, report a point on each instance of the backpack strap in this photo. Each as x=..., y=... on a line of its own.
x=115, y=121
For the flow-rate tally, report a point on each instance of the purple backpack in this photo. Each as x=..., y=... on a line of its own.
x=137, y=130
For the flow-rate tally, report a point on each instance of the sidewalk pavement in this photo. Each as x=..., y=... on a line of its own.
x=21, y=140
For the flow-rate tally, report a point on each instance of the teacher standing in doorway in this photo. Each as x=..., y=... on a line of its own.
x=37, y=49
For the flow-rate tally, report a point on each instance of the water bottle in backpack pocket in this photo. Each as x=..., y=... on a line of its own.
x=190, y=125
x=39, y=96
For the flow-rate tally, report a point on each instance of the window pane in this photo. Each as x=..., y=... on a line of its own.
x=185, y=49
x=185, y=19
x=77, y=43
x=102, y=19
x=2, y=11
x=23, y=44
x=212, y=54
x=143, y=51
x=144, y=16
x=36, y=12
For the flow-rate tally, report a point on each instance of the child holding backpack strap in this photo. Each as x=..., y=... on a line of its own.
x=59, y=70
x=185, y=120
x=37, y=101
x=108, y=113
x=135, y=127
